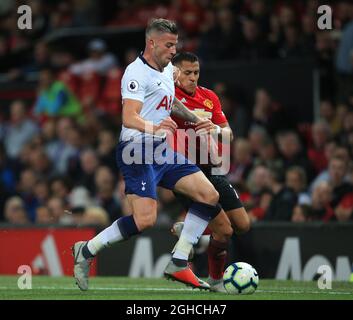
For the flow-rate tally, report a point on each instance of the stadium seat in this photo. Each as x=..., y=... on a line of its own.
x=71, y=80
x=89, y=89
x=110, y=100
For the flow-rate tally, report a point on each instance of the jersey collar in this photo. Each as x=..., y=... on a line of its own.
x=182, y=90
x=145, y=61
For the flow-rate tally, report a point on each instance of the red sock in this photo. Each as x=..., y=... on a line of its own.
x=217, y=255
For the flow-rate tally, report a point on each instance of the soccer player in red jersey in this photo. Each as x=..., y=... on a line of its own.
x=205, y=104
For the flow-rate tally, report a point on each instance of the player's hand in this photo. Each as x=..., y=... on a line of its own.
x=167, y=126
x=204, y=126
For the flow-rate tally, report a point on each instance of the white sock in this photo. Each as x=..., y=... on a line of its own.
x=193, y=229
x=105, y=238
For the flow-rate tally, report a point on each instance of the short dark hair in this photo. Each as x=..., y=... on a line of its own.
x=184, y=56
x=161, y=25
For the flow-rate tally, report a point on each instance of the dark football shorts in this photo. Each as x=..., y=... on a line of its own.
x=228, y=197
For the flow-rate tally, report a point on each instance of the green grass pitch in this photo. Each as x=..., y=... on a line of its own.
x=118, y=288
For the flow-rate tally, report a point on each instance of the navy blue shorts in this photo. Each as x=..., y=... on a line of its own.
x=147, y=165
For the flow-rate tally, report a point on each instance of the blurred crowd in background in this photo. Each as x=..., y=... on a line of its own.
x=57, y=154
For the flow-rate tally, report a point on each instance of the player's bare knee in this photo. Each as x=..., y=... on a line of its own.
x=224, y=234
x=145, y=220
x=221, y=230
x=242, y=226
x=240, y=220
x=145, y=223
x=245, y=227
x=149, y=223
x=214, y=197
x=228, y=231
x=210, y=196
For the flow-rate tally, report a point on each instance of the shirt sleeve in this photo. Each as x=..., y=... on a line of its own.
x=133, y=85
x=218, y=117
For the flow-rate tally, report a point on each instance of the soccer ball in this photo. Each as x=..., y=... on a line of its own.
x=240, y=278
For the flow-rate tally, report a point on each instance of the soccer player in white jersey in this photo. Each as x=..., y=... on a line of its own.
x=148, y=98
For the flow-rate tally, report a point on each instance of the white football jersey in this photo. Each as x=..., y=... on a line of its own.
x=153, y=88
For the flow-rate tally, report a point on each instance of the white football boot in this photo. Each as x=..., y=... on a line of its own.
x=81, y=265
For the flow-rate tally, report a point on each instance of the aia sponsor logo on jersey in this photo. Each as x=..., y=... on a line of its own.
x=165, y=103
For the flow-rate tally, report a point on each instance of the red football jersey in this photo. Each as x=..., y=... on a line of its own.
x=203, y=103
